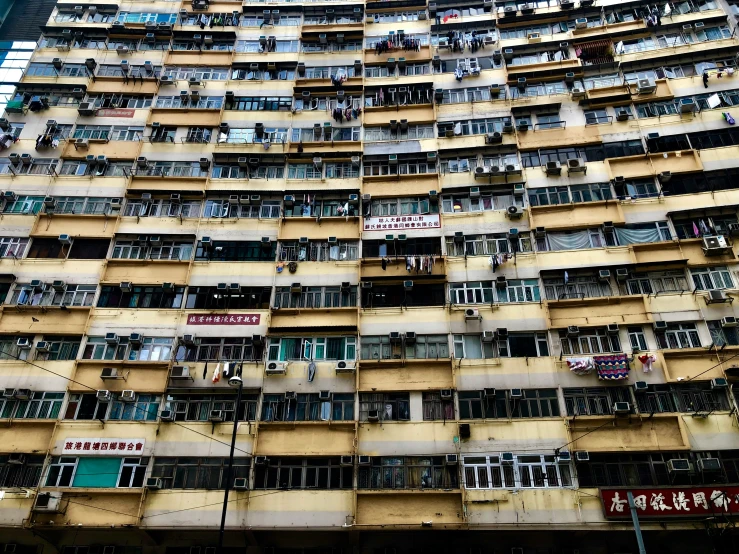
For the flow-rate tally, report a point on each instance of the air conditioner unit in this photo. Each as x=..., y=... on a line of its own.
x=645, y=86
x=534, y=37
x=612, y=328
x=728, y=321
x=573, y=331
x=660, y=325
x=276, y=368
x=506, y=458
x=564, y=457
x=128, y=396
x=604, y=275
x=575, y=165
x=446, y=394
x=23, y=343
x=582, y=456
x=709, y=465
x=622, y=115
x=22, y=394
x=719, y=383
x=715, y=245
x=472, y=314
x=134, y=339
x=581, y=23
x=553, y=168
x=494, y=138
x=291, y=395
x=261, y=460
x=42, y=347
x=622, y=274
x=451, y=459
x=502, y=333
x=17, y=459
x=111, y=338
x=153, y=483
x=8, y=393
x=180, y=372
x=488, y=336
x=344, y=366
x=515, y=394
x=86, y=108
x=240, y=484
x=324, y=395
x=679, y=465
x=215, y=416
x=621, y=408
x=716, y=297
x=48, y=502
x=577, y=93
x=373, y=416
x=641, y=386
x=104, y=396
x=110, y=373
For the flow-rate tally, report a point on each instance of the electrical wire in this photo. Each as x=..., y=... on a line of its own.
x=3, y=353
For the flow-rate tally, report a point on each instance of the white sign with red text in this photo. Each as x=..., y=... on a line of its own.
x=101, y=447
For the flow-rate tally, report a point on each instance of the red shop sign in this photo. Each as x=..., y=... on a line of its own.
x=670, y=502
x=226, y=319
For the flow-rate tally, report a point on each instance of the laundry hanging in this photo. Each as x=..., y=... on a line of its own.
x=580, y=366
x=614, y=367
x=647, y=360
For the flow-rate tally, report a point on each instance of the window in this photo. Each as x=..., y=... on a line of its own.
x=13, y=247
x=410, y=247
x=595, y=400
x=316, y=297
x=316, y=251
x=571, y=240
x=145, y=408
x=596, y=117
x=504, y=404
x=485, y=245
x=226, y=349
x=24, y=205
x=483, y=201
x=198, y=473
x=577, y=286
x=711, y=278
x=222, y=207
x=642, y=469
x=25, y=475
x=388, y=406
x=722, y=336
x=408, y=472
x=303, y=473
x=655, y=282
x=197, y=72
x=85, y=407
x=472, y=347
x=637, y=340
x=526, y=471
x=383, y=296
x=60, y=348
x=549, y=121
x=160, y=207
x=165, y=250
x=518, y=290
x=312, y=348
x=473, y=292
x=96, y=472
x=153, y=349
x=197, y=407
x=82, y=205
x=260, y=103
x=436, y=408
x=698, y=396
x=305, y=407
x=678, y=335
x=41, y=405
x=210, y=298
x=9, y=349
x=424, y=347
x=154, y=297
x=591, y=193
x=589, y=341
x=523, y=345
x=237, y=251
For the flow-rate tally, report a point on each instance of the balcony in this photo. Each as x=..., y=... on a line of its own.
x=629, y=167
x=151, y=272
x=407, y=375
x=44, y=319
x=295, y=508
x=395, y=269
x=101, y=507
x=586, y=214
x=584, y=312
x=293, y=319
x=311, y=438
x=608, y=96
x=543, y=70
x=679, y=364
x=376, y=508
x=139, y=376
x=635, y=433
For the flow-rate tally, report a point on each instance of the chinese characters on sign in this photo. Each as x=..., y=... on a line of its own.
x=228, y=319
x=133, y=447
x=389, y=223
x=672, y=502
x=116, y=112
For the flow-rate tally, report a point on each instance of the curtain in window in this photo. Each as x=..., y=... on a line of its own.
x=637, y=236
x=289, y=349
x=97, y=472
x=571, y=241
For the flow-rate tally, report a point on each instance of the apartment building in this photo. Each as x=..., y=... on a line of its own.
x=472, y=262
